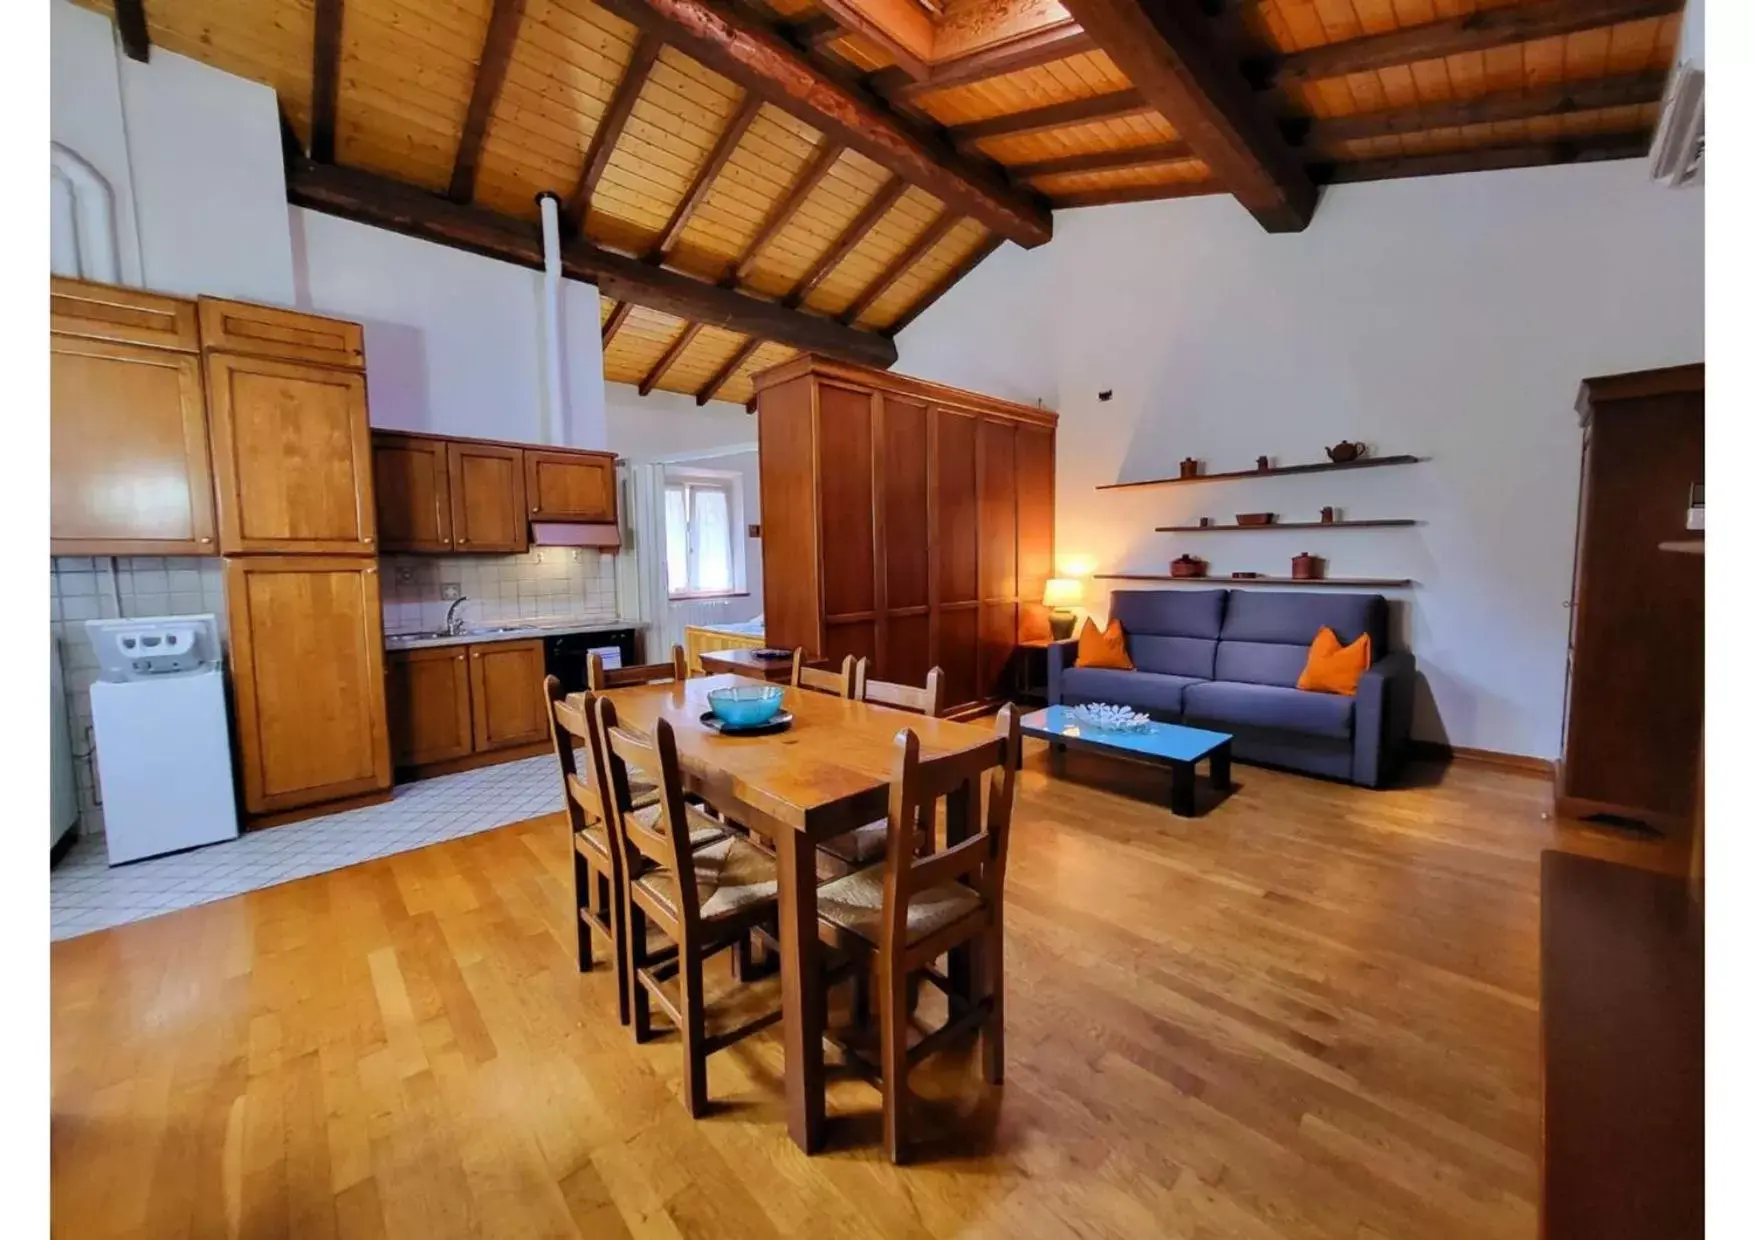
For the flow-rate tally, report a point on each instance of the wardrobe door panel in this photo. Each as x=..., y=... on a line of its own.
x=1035, y=521
x=997, y=479
x=844, y=462
x=906, y=655
x=956, y=656
x=955, y=533
x=906, y=531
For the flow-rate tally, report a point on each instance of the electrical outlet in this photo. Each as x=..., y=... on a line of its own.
x=405, y=575
x=450, y=591
x=578, y=555
x=536, y=557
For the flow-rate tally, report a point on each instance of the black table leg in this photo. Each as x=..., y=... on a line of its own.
x=1182, y=789
x=1219, y=767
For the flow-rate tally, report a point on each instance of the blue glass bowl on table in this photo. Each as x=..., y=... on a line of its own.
x=745, y=706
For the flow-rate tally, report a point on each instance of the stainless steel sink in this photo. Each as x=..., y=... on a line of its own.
x=497, y=628
x=418, y=637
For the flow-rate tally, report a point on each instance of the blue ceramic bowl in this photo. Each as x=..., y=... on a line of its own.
x=745, y=706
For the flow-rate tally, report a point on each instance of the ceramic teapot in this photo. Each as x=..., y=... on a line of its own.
x=1346, y=450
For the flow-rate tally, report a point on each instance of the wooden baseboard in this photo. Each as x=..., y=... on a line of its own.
x=470, y=762
x=1437, y=751
x=280, y=818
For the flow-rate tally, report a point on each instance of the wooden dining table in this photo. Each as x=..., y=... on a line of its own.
x=826, y=774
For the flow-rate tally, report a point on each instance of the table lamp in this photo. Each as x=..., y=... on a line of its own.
x=1062, y=593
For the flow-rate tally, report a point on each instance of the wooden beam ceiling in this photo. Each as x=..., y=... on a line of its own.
x=782, y=212
x=1472, y=32
x=850, y=237
x=131, y=29
x=325, y=77
x=709, y=171
x=722, y=376
x=1107, y=161
x=683, y=340
x=613, y=323
x=1113, y=106
x=762, y=62
x=371, y=199
x=1039, y=47
x=1136, y=193
x=1507, y=105
x=979, y=253
x=1484, y=158
x=930, y=236
x=1170, y=52
x=490, y=75
x=609, y=129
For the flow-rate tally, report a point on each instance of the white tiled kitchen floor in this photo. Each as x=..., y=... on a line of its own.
x=87, y=894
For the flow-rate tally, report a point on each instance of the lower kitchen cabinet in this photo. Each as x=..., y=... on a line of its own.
x=505, y=690
x=307, y=662
x=427, y=695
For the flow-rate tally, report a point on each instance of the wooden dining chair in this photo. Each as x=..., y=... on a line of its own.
x=864, y=845
x=821, y=679
x=904, y=914
x=598, y=677
x=703, y=897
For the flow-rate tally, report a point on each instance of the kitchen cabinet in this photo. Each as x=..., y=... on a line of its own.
x=487, y=497
x=306, y=646
x=426, y=694
x=570, y=486
x=292, y=457
x=128, y=466
x=288, y=335
x=505, y=690
x=123, y=315
x=411, y=476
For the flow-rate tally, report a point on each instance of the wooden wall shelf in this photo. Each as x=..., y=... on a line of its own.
x=1379, y=583
x=1279, y=471
x=1383, y=524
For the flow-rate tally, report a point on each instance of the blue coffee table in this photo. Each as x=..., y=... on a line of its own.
x=1159, y=744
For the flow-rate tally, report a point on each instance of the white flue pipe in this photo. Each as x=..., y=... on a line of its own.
x=94, y=214
x=554, y=412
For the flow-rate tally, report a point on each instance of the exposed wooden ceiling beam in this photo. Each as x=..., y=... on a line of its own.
x=980, y=252
x=131, y=29
x=1136, y=193
x=1114, y=106
x=722, y=376
x=1485, y=28
x=613, y=323
x=1169, y=50
x=325, y=77
x=667, y=359
x=609, y=129
x=815, y=32
x=1505, y=105
x=930, y=236
x=850, y=237
x=1484, y=158
x=371, y=199
x=715, y=164
x=761, y=61
x=1038, y=47
x=1106, y=161
x=782, y=212
x=490, y=75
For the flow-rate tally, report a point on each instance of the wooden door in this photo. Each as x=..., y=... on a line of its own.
x=569, y=486
x=844, y=473
x=410, y=474
x=128, y=468
x=904, y=547
x=997, y=522
x=426, y=695
x=956, y=554
x=1035, y=474
x=487, y=497
x=505, y=689
x=288, y=335
x=292, y=455
x=306, y=638
x=124, y=315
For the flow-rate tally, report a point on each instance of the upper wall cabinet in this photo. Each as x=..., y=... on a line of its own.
x=268, y=331
x=411, y=474
x=292, y=456
x=124, y=315
x=487, y=497
x=570, y=486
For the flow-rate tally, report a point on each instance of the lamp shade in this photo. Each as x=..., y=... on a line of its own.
x=1063, y=592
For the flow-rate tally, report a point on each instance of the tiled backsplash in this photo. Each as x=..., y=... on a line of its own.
x=544, y=583
x=85, y=588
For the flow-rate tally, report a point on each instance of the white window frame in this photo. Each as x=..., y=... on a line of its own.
x=730, y=482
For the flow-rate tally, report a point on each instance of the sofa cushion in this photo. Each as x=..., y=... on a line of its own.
x=1173, y=656
x=1294, y=619
x=1260, y=663
x=1170, y=613
x=1268, y=706
x=1147, y=691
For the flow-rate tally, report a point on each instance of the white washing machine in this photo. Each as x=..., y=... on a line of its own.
x=164, y=753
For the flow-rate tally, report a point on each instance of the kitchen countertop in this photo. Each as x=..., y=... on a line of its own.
x=522, y=632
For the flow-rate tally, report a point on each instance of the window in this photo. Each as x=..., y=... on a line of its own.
x=701, y=553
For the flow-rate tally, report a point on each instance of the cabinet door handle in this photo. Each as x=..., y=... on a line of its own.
x=205, y=541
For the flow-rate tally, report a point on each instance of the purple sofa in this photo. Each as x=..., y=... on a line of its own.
x=1230, y=659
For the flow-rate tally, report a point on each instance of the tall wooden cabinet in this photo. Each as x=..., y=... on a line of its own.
x=1636, y=674
x=903, y=521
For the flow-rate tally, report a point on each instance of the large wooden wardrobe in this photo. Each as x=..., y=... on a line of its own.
x=904, y=522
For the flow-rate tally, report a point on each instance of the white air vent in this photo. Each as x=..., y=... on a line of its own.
x=1678, y=152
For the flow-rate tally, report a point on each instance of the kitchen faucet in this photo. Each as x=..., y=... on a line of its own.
x=454, y=622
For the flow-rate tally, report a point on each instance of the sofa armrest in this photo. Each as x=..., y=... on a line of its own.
x=1383, y=713
x=1060, y=657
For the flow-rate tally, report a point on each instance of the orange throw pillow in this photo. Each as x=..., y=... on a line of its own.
x=1103, y=649
x=1033, y=625
x=1334, y=668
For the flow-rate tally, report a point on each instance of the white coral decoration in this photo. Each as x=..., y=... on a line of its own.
x=1109, y=718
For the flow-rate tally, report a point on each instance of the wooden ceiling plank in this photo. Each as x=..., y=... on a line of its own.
x=683, y=340
x=721, y=154
x=609, y=129
x=1509, y=105
x=1471, y=32
x=980, y=252
x=613, y=323
x=782, y=212
x=1169, y=50
x=723, y=375
x=851, y=236
x=325, y=77
x=761, y=61
x=379, y=201
x=1135, y=193
x=1106, y=161
x=929, y=237
x=131, y=30
x=1485, y=158
x=490, y=75
x=1113, y=106
x=1028, y=51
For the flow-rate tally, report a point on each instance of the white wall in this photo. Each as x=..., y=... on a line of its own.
x=665, y=424
x=1449, y=317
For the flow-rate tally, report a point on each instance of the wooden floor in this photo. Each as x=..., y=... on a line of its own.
x=1309, y=1013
